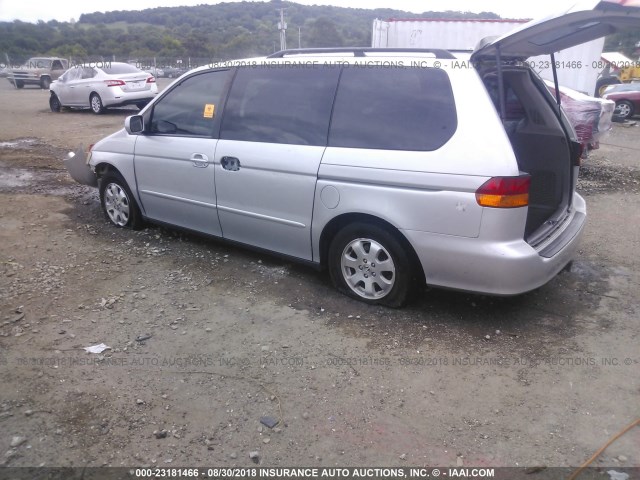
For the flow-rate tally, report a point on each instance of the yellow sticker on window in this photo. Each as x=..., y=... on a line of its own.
x=209, y=110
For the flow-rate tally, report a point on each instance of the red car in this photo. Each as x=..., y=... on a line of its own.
x=590, y=116
x=627, y=98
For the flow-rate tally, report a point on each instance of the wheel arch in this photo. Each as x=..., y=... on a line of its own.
x=337, y=223
x=104, y=168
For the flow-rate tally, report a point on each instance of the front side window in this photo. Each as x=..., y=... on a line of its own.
x=192, y=107
x=281, y=104
x=393, y=109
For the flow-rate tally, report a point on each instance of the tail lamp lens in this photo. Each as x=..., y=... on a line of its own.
x=504, y=192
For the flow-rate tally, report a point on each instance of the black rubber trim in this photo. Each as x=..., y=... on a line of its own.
x=571, y=231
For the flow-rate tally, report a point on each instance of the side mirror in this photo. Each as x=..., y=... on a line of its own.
x=134, y=124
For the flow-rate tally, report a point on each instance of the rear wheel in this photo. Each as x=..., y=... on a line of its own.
x=624, y=109
x=96, y=104
x=369, y=263
x=54, y=103
x=118, y=203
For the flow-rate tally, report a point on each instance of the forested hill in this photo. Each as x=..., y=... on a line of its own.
x=222, y=31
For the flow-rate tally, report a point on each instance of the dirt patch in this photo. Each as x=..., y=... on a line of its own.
x=599, y=175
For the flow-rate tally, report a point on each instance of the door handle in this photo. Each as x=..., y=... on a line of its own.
x=230, y=163
x=200, y=160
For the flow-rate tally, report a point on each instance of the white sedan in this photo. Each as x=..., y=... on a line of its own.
x=109, y=84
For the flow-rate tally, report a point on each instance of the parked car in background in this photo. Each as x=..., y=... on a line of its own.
x=155, y=71
x=110, y=85
x=39, y=71
x=590, y=116
x=626, y=97
x=172, y=72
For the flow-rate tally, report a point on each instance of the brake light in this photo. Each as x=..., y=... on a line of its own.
x=114, y=83
x=504, y=192
x=151, y=80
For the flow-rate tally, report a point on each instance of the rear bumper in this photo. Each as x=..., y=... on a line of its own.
x=115, y=97
x=493, y=267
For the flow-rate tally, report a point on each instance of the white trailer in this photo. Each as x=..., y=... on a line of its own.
x=578, y=67
x=438, y=33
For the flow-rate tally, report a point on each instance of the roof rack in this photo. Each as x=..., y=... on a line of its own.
x=361, y=51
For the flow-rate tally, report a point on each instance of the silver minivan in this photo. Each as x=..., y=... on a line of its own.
x=389, y=168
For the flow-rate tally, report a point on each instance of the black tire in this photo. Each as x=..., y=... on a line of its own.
x=604, y=82
x=45, y=83
x=54, y=103
x=117, y=201
x=19, y=84
x=359, y=277
x=95, y=102
x=624, y=109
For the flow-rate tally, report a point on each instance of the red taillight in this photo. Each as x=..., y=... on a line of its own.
x=504, y=192
x=114, y=83
x=151, y=80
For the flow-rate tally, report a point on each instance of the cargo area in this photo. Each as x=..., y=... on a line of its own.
x=541, y=146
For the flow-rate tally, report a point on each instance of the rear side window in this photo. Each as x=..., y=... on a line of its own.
x=280, y=104
x=393, y=109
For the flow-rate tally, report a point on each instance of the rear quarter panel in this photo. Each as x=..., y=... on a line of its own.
x=431, y=191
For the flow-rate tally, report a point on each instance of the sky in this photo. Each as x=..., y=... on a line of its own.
x=34, y=10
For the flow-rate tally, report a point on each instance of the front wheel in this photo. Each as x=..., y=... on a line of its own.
x=369, y=263
x=96, y=104
x=624, y=109
x=45, y=83
x=54, y=103
x=118, y=203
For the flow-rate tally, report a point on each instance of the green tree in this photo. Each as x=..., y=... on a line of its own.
x=322, y=32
